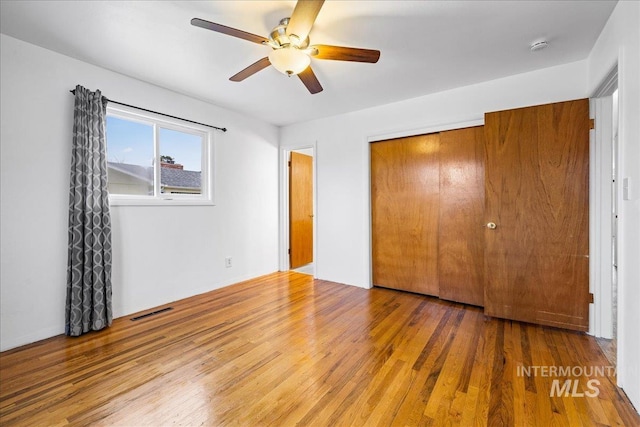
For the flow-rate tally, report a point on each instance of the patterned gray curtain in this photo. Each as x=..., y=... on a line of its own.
x=89, y=264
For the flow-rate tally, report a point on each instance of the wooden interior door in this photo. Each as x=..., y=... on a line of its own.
x=461, y=236
x=300, y=210
x=537, y=194
x=404, y=206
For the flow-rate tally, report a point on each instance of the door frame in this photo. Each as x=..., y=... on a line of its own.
x=284, y=204
x=600, y=207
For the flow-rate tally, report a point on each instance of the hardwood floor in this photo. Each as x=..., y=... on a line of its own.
x=284, y=350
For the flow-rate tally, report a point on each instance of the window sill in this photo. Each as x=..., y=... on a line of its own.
x=176, y=201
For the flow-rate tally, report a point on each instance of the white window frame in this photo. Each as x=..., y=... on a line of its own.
x=205, y=198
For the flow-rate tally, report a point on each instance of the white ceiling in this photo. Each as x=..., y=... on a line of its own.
x=426, y=46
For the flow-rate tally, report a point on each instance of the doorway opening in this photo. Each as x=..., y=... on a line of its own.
x=604, y=227
x=299, y=225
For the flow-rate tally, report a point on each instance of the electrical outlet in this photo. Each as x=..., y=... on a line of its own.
x=227, y=262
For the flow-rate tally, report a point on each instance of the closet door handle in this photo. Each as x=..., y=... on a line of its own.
x=491, y=225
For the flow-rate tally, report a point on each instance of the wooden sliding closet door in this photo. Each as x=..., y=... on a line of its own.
x=537, y=188
x=404, y=205
x=461, y=236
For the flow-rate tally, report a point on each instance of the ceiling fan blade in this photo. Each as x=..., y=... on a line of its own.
x=340, y=53
x=218, y=28
x=251, y=70
x=310, y=80
x=303, y=17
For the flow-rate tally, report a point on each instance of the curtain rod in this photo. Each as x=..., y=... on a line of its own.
x=73, y=91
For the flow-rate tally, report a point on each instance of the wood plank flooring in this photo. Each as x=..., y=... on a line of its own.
x=286, y=350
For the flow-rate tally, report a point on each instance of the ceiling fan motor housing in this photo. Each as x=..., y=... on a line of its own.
x=280, y=38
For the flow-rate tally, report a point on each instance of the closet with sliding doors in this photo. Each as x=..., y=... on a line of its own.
x=494, y=216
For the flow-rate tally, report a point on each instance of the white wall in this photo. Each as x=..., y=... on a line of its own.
x=619, y=43
x=342, y=156
x=161, y=254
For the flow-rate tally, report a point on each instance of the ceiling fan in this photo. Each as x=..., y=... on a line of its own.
x=291, y=52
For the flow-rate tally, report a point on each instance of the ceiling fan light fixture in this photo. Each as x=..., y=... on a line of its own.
x=289, y=60
x=291, y=51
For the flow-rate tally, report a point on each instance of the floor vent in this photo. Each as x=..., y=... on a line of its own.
x=152, y=313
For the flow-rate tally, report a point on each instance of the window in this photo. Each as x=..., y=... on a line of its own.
x=155, y=160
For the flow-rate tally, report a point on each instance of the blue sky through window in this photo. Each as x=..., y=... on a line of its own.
x=185, y=148
x=132, y=142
